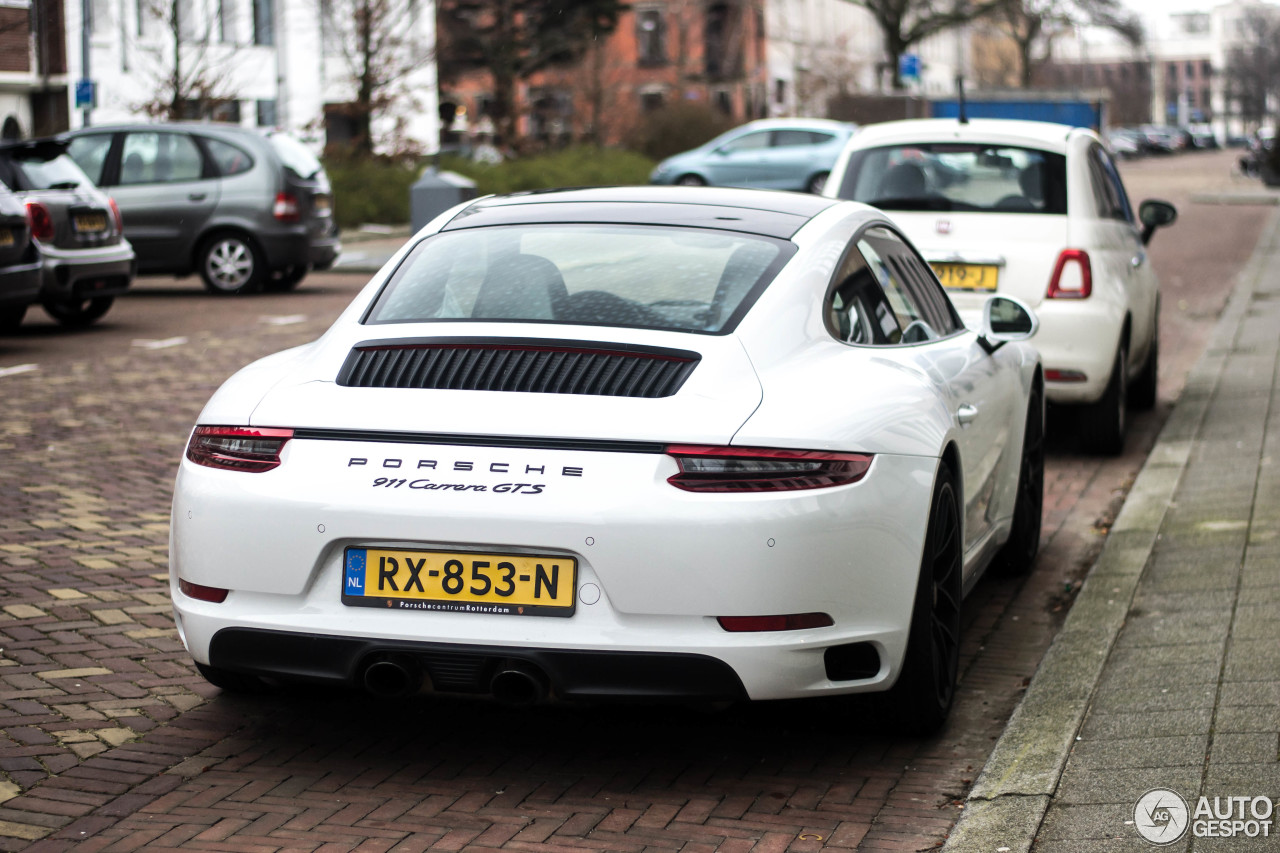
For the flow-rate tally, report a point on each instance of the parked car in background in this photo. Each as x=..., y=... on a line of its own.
x=19, y=262
x=245, y=210
x=85, y=261
x=779, y=154
x=686, y=507
x=1043, y=216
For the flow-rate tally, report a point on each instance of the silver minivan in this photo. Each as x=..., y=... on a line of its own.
x=248, y=210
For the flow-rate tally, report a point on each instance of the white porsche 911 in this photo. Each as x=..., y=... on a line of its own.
x=648, y=443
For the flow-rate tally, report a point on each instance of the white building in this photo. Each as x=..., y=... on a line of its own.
x=268, y=63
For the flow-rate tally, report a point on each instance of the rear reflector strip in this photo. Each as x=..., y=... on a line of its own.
x=213, y=594
x=787, y=622
x=758, y=469
x=1051, y=375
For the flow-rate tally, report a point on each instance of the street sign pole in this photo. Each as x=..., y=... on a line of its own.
x=86, y=25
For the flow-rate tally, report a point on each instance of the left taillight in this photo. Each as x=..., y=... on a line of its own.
x=250, y=449
x=286, y=208
x=755, y=469
x=41, y=221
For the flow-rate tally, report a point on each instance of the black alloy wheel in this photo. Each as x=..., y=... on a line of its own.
x=78, y=313
x=921, y=699
x=1019, y=552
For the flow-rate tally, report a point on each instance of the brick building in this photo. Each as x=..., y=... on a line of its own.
x=662, y=51
x=33, y=68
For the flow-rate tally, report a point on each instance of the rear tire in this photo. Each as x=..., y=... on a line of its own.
x=78, y=313
x=11, y=318
x=1019, y=553
x=1102, y=425
x=921, y=698
x=690, y=181
x=287, y=279
x=817, y=183
x=1142, y=394
x=231, y=263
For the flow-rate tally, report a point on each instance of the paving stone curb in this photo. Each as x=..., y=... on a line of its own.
x=1008, y=801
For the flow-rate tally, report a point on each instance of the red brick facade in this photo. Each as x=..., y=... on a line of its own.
x=662, y=51
x=15, y=39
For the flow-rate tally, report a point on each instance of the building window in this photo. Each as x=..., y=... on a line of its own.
x=264, y=23
x=227, y=21
x=267, y=113
x=1206, y=69
x=779, y=91
x=651, y=37
x=650, y=101
x=724, y=101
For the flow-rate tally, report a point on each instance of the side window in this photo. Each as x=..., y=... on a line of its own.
x=790, y=138
x=749, y=142
x=90, y=154
x=230, y=159
x=1107, y=189
x=883, y=251
x=159, y=158
x=858, y=312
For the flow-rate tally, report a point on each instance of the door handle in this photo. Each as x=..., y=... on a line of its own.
x=966, y=414
x=197, y=196
x=1138, y=260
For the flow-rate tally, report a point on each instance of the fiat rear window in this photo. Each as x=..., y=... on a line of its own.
x=958, y=177
x=654, y=277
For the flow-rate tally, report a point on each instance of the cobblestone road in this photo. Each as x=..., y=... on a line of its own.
x=110, y=741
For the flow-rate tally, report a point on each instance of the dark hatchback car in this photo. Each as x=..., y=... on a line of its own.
x=85, y=261
x=19, y=262
x=246, y=210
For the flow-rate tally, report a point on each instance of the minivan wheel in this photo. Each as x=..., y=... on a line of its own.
x=230, y=263
x=77, y=313
x=11, y=318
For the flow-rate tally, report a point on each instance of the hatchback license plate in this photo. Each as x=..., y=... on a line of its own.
x=90, y=223
x=459, y=582
x=967, y=276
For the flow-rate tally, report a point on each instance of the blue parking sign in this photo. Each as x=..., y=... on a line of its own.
x=84, y=93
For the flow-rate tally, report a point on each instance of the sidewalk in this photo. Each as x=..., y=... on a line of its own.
x=1166, y=674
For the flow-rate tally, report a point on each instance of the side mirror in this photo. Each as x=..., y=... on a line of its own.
x=1154, y=214
x=1005, y=320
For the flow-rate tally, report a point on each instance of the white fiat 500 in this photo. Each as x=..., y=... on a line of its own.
x=660, y=443
x=1037, y=211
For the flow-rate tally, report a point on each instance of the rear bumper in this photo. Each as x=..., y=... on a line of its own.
x=82, y=273
x=286, y=249
x=453, y=668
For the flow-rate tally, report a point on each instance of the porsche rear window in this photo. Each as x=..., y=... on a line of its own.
x=958, y=176
x=656, y=277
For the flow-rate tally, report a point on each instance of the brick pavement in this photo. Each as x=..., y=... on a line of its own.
x=110, y=741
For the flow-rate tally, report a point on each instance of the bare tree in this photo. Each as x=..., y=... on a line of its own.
x=1253, y=66
x=904, y=23
x=380, y=47
x=1034, y=24
x=189, y=82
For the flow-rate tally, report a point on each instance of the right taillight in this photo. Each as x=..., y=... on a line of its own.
x=286, y=208
x=41, y=221
x=758, y=469
x=251, y=449
x=1072, y=276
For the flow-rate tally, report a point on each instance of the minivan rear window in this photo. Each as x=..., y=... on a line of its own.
x=295, y=155
x=958, y=177
x=638, y=276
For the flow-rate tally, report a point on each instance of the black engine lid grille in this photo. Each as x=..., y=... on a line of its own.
x=533, y=366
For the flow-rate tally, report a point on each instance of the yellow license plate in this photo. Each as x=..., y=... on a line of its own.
x=967, y=276
x=90, y=223
x=322, y=202
x=6, y=237
x=459, y=582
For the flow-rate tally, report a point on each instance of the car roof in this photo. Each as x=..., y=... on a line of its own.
x=1041, y=134
x=766, y=212
x=200, y=126
x=797, y=123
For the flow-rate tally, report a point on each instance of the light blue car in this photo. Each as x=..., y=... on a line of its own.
x=772, y=153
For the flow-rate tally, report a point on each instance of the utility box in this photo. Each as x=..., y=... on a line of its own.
x=434, y=193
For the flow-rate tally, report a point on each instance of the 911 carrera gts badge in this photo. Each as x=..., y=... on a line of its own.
x=944, y=226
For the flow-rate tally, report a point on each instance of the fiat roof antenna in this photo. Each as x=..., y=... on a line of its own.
x=963, y=107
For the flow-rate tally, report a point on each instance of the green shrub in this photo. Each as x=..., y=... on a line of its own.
x=571, y=167
x=377, y=189
x=679, y=127
x=370, y=190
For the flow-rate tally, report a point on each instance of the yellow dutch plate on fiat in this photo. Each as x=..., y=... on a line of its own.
x=583, y=445
x=1037, y=211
